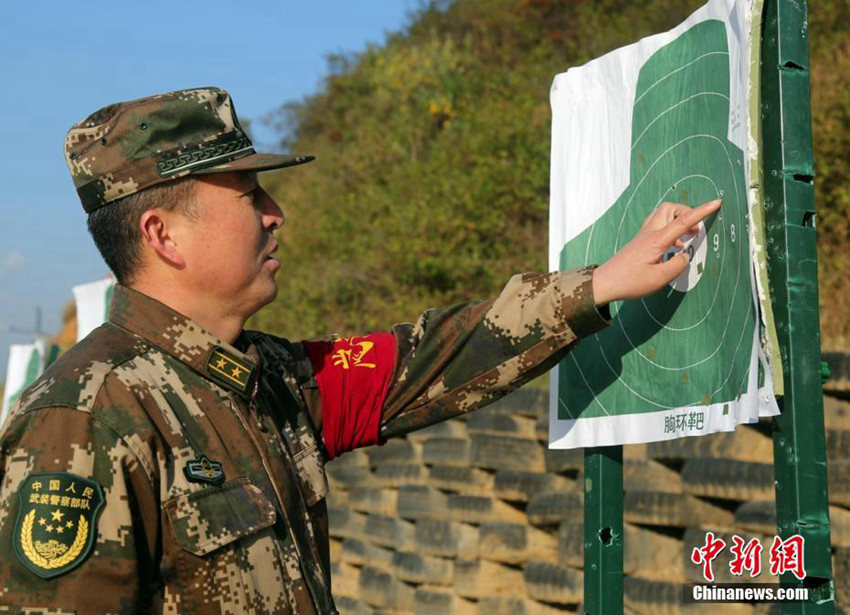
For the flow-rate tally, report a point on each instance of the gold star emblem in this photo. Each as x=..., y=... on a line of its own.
x=221, y=363
x=41, y=521
x=236, y=372
x=59, y=529
x=49, y=528
x=57, y=515
x=69, y=524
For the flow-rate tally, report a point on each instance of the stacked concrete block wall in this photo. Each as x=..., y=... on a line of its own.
x=475, y=516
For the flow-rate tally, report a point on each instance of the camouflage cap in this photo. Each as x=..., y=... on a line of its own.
x=129, y=146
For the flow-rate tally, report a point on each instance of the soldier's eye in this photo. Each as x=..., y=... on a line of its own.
x=255, y=198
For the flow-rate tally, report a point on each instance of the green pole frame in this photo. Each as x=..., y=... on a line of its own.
x=798, y=432
x=802, y=505
x=603, y=530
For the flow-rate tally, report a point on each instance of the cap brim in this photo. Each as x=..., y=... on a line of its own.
x=257, y=162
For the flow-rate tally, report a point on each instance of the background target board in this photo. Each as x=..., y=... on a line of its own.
x=685, y=361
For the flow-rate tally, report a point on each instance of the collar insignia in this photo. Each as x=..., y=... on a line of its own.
x=226, y=368
x=203, y=470
x=57, y=522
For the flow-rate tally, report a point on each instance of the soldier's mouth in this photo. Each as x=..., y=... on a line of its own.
x=272, y=250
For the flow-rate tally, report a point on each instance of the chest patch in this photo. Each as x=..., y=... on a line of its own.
x=57, y=522
x=203, y=470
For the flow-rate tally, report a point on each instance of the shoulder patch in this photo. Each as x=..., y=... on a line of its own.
x=57, y=522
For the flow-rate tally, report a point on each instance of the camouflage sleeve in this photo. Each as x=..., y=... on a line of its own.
x=77, y=517
x=457, y=359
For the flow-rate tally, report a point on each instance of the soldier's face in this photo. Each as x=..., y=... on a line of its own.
x=228, y=251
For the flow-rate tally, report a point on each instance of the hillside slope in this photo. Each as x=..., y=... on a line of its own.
x=431, y=183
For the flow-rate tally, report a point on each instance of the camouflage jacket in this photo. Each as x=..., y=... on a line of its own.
x=157, y=468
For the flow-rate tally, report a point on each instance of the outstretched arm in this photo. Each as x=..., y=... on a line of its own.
x=454, y=360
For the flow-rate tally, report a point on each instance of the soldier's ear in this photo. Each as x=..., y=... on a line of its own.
x=159, y=233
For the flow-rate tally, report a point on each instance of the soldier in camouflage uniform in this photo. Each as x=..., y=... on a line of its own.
x=172, y=462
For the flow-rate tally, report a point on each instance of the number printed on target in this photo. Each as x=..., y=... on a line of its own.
x=689, y=344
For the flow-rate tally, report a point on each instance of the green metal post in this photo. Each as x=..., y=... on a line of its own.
x=603, y=530
x=798, y=433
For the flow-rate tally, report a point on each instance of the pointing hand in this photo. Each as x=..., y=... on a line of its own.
x=637, y=269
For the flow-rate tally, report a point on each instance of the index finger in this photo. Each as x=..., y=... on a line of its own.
x=682, y=224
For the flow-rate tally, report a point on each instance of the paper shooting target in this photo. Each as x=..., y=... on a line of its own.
x=689, y=344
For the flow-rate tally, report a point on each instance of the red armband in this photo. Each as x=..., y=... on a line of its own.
x=353, y=375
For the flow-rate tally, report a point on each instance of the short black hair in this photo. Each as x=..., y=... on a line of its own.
x=115, y=226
